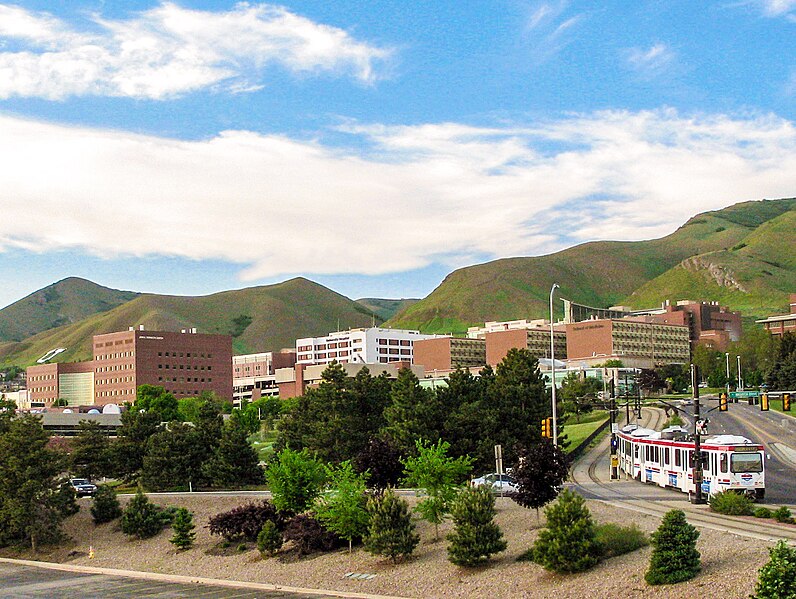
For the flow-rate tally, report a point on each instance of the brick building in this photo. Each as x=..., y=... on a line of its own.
x=254, y=375
x=70, y=381
x=637, y=342
x=449, y=353
x=783, y=323
x=293, y=382
x=708, y=322
x=535, y=340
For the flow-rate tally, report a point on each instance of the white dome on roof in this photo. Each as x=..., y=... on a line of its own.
x=111, y=408
x=93, y=411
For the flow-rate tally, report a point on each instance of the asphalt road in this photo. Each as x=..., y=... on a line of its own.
x=21, y=581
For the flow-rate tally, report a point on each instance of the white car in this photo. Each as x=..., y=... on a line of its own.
x=498, y=483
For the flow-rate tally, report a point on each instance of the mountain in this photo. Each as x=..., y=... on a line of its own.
x=259, y=318
x=386, y=308
x=65, y=302
x=741, y=255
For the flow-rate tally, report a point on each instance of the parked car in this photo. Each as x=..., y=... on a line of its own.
x=499, y=483
x=83, y=487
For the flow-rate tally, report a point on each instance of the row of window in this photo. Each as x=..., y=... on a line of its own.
x=115, y=381
x=175, y=354
x=115, y=356
x=115, y=393
x=182, y=367
x=404, y=342
x=43, y=377
x=114, y=367
x=185, y=379
x=394, y=351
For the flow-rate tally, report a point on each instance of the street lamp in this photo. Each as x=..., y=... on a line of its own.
x=553, y=366
x=727, y=356
x=740, y=380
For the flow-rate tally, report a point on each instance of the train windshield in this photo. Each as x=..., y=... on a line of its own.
x=746, y=462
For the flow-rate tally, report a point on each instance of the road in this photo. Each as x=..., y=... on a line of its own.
x=28, y=581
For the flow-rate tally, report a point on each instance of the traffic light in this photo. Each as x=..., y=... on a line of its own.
x=764, y=402
x=544, y=428
x=723, y=403
x=786, y=402
x=547, y=428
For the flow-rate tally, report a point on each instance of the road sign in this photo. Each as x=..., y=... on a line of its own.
x=744, y=394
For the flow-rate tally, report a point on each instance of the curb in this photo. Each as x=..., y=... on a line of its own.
x=197, y=580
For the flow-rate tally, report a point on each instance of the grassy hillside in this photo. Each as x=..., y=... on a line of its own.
x=259, y=318
x=599, y=273
x=754, y=276
x=65, y=302
x=385, y=308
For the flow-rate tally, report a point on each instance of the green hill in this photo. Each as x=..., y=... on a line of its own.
x=607, y=273
x=259, y=318
x=65, y=302
x=385, y=308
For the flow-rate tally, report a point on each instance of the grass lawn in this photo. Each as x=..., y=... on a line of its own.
x=263, y=444
x=576, y=432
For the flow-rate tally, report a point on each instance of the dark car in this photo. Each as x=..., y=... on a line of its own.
x=83, y=487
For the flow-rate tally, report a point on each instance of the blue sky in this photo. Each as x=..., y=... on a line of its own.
x=199, y=146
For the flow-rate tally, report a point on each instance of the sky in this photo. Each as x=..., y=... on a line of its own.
x=198, y=146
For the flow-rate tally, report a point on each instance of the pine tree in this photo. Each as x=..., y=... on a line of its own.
x=674, y=554
x=270, y=539
x=141, y=518
x=106, y=505
x=568, y=543
x=391, y=532
x=407, y=417
x=90, y=455
x=475, y=536
x=183, y=529
x=234, y=462
x=777, y=578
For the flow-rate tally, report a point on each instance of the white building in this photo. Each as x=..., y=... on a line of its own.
x=364, y=346
x=506, y=325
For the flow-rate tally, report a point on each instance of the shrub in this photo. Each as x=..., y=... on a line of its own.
x=245, y=521
x=270, y=539
x=183, y=529
x=106, y=505
x=674, y=555
x=391, y=532
x=475, y=536
x=782, y=514
x=295, y=479
x=763, y=512
x=777, y=578
x=540, y=475
x=731, y=503
x=617, y=540
x=309, y=535
x=242, y=547
x=141, y=518
x=568, y=543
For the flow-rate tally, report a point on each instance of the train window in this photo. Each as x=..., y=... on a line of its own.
x=723, y=463
x=666, y=455
x=636, y=452
x=658, y=455
x=677, y=453
x=690, y=459
x=746, y=462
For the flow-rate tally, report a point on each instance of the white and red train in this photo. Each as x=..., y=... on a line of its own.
x=665, y=458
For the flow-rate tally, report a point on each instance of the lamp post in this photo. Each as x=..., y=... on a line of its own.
x=727, y=356
x=553, y=367
x=740, y=380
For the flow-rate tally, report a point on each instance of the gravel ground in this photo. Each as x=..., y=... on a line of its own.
x=729, y=563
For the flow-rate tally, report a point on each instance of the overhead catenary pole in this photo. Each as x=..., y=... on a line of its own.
x=697, y=498
x=740, y=380
x=553, y=368
x=727, y=356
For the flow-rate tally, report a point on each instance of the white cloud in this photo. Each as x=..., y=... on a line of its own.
x=169, y=50
x=437, y=192
x=548, y=30
x=778, y=8
x=653, y=62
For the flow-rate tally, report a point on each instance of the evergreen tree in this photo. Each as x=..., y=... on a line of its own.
x=235, y=462
x=438, y=477
x=90, y=456
x=408, y=417
x=34, y=499
x=295, y=479
x=783, y=372
x=391, y=532
x=674, y=554
x=106, y=505
x=342, y=510
x=127, y=453
x=475, y=536
x=270, y=539
x=777, y=578
x=540, y=473
x=568, y=543
x=141, y=518
x=173, y=458
x=183, y=529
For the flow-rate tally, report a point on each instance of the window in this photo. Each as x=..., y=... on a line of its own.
x=723, y=463
x=746, y=462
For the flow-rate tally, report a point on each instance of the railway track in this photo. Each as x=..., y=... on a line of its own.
x=590, y=478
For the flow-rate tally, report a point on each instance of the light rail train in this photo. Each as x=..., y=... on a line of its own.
x=666, y=458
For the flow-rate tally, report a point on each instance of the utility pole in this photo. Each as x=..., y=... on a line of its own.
x=727, y=356
x=614, y=427
x=697, y=470
x=740, y=380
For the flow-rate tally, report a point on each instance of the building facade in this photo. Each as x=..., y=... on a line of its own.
x=637, y=342
x=535, y=340
x=372, y=345
x=708, y=322
x=293, y=382
x=72, y=382
x=449, y=353
x=254, y=375
x=783, y=323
